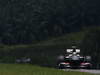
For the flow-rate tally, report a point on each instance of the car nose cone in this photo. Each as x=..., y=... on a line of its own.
x=75, y=58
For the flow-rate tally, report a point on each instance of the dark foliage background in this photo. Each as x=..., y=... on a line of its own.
x=29, y=21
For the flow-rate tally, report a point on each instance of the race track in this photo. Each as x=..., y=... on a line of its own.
x=84, y=70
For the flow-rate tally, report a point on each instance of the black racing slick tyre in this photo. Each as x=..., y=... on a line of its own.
x=61, y=66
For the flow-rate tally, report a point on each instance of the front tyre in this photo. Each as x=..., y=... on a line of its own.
x=61, y=66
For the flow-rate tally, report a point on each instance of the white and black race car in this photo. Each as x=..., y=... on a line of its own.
x=73, y=60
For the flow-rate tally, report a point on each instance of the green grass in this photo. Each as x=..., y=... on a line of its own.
x=18, y=69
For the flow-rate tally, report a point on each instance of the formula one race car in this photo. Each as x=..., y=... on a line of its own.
x=73, y=60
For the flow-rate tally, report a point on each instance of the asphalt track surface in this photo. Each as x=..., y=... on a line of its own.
x=84, y=70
